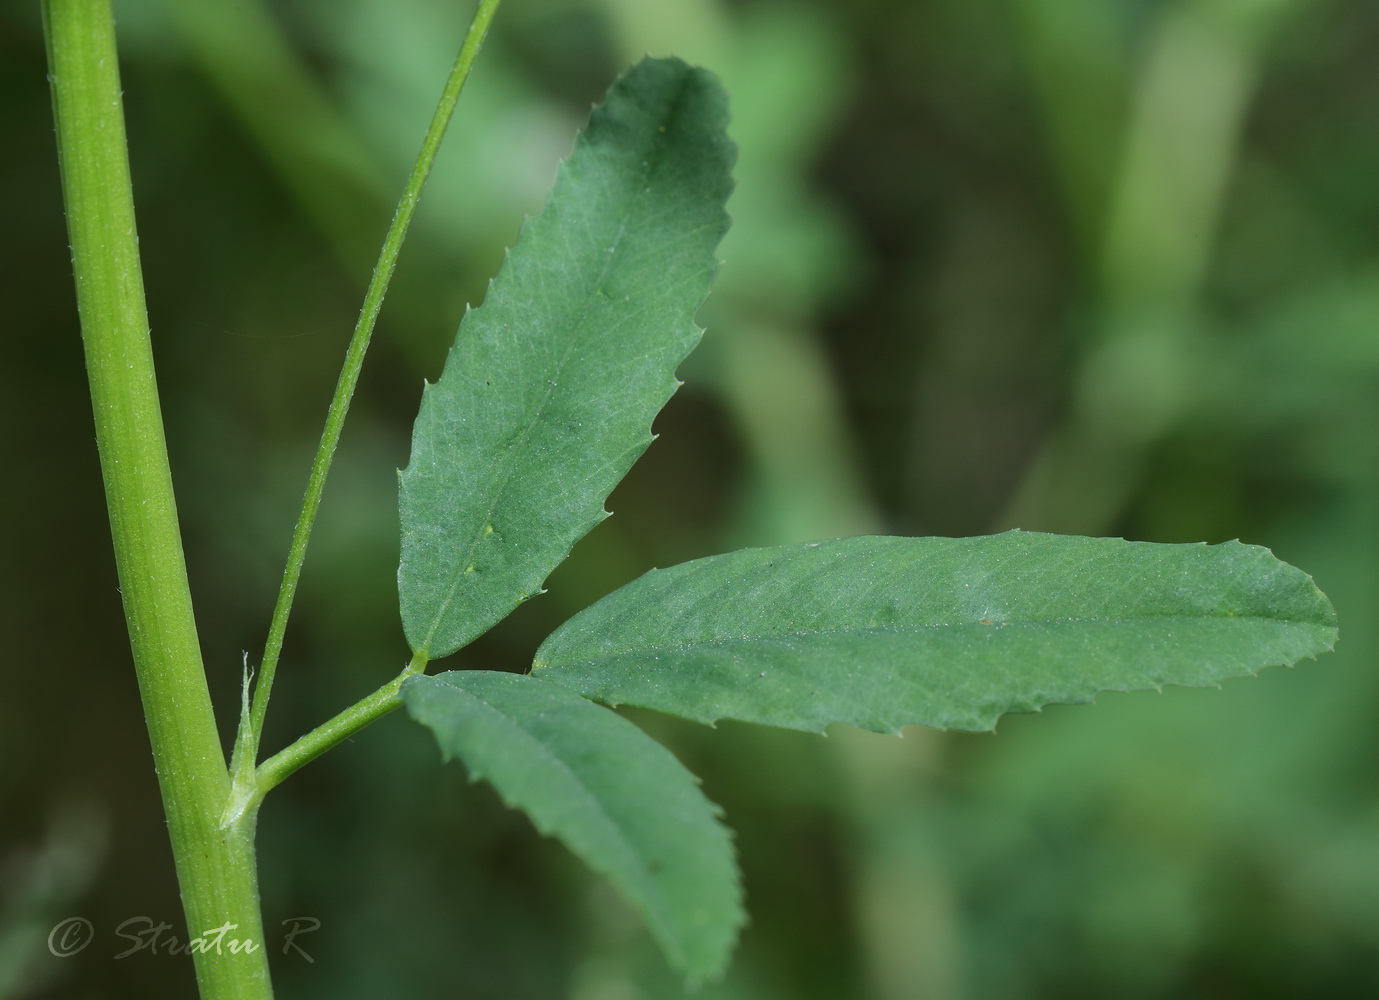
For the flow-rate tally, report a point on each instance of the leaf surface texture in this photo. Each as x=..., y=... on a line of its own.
x=617, y=798
x=548, y=394
x=882, y=632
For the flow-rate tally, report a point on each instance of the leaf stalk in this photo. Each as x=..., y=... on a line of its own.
x=307, y=748
x=353, y=365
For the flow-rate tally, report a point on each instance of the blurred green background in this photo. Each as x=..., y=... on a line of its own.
x=1096, y=266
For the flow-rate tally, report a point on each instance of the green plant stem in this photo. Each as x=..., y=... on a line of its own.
x=310, y=746
x=349, y=376
x=215, y=865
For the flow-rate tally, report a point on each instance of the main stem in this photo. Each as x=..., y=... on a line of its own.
x=215, y=865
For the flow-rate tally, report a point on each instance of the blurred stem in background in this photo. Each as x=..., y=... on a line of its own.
x=321, y=157
x=319, y=143
x=905, y=898
x=1077, y=58
x=1163, y=208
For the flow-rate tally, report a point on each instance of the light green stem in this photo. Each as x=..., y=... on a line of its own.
x=245, y=756
x=307, y=748
x=215, y=865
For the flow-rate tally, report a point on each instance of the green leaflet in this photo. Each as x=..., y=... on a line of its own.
x=548, y=394
x=948, y=632
x=616, y=797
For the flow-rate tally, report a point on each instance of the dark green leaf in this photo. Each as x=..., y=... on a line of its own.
x=616, y=797
x=548, y=394
x=949, y=632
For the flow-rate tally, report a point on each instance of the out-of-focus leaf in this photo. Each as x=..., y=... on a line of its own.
x=948, y=632
x=548, y=394
x=616, y=797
